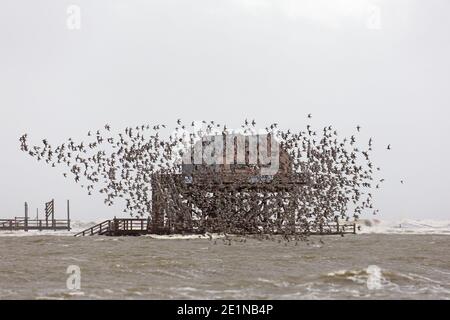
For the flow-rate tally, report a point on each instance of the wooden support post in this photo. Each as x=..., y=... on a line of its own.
x=156, y=207
x=26, y=217
x=68, y=215
x=53, y=214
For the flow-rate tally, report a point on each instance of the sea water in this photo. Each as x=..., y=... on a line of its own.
x=382, y=262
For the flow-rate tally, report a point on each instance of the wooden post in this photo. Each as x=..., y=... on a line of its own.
x=157, y=213
x=53, y=214
x=46, y=217
x=291, y=213
x=68, y=215
x=354, y=227
x=26, y=217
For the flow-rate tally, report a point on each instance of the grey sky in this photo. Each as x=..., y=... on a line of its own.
x=273, y=60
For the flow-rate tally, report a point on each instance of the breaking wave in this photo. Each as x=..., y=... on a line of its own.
x=405, y=226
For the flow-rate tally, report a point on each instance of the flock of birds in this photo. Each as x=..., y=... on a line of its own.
x=133, y=164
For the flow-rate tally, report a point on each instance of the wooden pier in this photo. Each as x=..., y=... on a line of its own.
x=137, y=227
x=48, y=223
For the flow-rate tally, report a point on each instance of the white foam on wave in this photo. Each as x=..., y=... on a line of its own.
x=374, y=277
x=21, y=233
x=185, y=236
x=76, y=226
x=405, y=226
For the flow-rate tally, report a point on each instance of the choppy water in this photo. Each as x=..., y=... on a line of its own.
x=378, y=266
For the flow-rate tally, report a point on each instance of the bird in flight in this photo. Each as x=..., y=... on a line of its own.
x=129, y=165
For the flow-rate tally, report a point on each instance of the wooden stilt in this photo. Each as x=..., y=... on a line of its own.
x=68, y=215
x=53, y=214
x=26, y=217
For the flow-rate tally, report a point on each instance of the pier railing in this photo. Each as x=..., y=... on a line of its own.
x=334, y=228
x=117, y=227
x=21, y=223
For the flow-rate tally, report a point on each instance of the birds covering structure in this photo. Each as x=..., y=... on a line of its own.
x=209, y=178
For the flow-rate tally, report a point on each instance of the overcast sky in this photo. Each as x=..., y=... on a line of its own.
x=381, y=64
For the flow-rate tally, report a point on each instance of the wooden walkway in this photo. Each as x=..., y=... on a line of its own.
x=137, y=227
